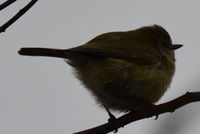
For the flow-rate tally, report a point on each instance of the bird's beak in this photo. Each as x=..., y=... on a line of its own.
x=175, y=46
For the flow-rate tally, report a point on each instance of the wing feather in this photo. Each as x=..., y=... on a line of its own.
x=112, y=45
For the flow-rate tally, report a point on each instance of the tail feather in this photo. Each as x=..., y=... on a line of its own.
x=43, y=52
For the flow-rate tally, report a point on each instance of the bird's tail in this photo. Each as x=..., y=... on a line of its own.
x=61, y=53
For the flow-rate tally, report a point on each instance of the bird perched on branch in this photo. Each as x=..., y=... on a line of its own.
x=125, y=71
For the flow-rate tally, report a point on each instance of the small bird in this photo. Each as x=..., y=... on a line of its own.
x=126, y=70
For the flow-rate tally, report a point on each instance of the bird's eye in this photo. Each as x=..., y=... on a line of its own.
x=164, y=49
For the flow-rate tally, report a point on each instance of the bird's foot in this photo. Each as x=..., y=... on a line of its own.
x=150, y=108
x=112, y=119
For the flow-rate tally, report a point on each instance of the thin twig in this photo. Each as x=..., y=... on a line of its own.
x=17, y=16
x=170, y=106
x=6, y=4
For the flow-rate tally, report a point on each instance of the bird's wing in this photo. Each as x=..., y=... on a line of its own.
x=113, y=45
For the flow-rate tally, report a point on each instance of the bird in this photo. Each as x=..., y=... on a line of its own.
x=123, y=70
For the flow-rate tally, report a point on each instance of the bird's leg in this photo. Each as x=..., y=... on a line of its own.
x=112, y=118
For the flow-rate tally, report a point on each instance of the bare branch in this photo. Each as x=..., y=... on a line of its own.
x=156, y=110
x=17, y=16
x=6, y=4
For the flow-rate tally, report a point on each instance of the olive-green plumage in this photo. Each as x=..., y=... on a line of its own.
x=123, y=70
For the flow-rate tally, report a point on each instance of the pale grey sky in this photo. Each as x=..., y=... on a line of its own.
x=41, y=96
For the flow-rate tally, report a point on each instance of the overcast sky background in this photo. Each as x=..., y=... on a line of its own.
x=40, y=95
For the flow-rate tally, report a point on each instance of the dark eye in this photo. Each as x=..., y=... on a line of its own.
x=164, y=49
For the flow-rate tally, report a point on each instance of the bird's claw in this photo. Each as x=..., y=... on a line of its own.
x=112, y=119
x=156, y=117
